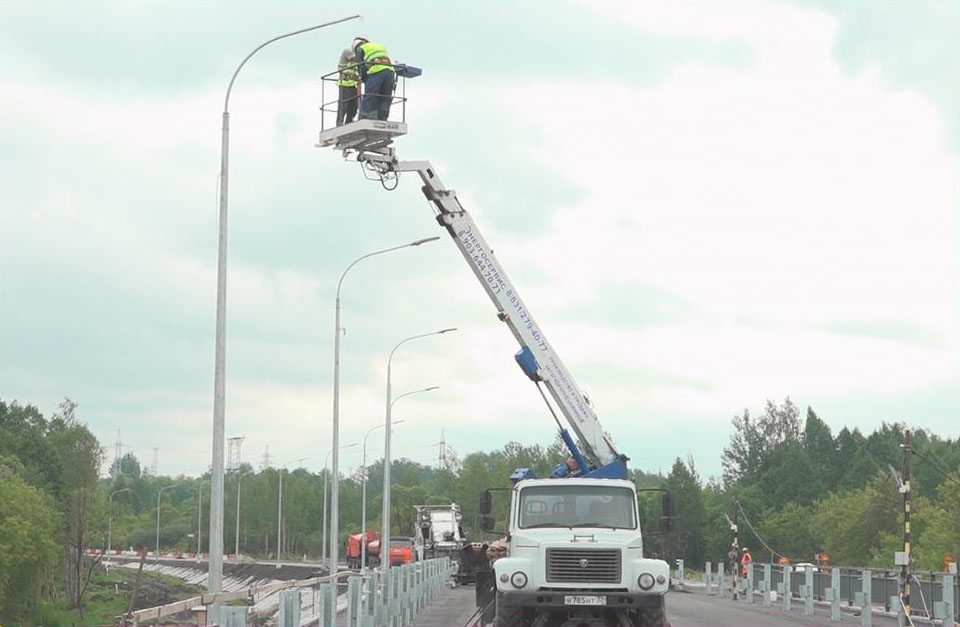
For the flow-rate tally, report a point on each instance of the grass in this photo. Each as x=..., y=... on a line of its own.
x=106, y=598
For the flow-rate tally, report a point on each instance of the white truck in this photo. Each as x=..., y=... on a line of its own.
x=574, y=550
x=575, y=556
x=438, y=532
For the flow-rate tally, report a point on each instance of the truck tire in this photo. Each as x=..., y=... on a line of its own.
x=652, y=617
x=507, y=616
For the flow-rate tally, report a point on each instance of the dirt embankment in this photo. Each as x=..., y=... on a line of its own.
x=154, y=589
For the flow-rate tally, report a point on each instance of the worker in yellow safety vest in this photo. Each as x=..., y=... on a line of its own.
x=378, y=76
x=349, y=83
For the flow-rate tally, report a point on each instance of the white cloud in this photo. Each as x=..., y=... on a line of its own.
x=779, y=199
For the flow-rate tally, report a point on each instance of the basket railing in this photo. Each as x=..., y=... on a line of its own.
x=329, y=108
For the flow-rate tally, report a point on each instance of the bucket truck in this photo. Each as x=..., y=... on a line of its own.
x=574, y=545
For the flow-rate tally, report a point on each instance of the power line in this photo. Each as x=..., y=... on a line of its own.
x=935, y=463
x=757, y=535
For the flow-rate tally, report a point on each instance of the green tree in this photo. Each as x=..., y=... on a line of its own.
x=852, y=526
x=130, y=466
x=686, y=538
x=78, y=454
x=791, y=532
x=28, y=552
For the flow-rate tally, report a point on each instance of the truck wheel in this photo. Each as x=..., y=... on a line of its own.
x=507, y=616
x=652, y=617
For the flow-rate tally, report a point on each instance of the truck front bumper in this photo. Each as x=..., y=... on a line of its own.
x=557, y=599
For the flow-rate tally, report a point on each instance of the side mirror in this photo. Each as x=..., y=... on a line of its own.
x=486, y=503
x=666, y=505
x=487, y=522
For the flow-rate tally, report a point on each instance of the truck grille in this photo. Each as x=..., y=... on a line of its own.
x=583, y=565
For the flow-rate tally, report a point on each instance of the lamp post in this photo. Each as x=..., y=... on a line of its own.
x=335, y=441
x=236, y=547
x=326, y=520
x=166, y=487
x=200, y=520
x=385, y=531
x=280, y=504
x=110, y=518
x=363, y=496
x=215, y=576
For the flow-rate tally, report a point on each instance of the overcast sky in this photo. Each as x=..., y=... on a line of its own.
x=705, y=205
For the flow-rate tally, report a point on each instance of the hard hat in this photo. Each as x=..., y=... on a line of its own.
x=744, y=549
x=359, y=39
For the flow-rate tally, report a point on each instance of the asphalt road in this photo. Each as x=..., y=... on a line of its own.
x=684, y=609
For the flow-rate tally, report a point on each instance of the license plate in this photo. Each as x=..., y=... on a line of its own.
x=584, y=600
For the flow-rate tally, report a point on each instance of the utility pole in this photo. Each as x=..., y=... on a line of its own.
x=905, y=558
x=734, y=554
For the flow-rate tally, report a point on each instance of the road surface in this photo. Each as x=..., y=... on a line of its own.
x=684, y=609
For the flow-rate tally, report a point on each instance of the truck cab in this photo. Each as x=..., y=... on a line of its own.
x=575, y=553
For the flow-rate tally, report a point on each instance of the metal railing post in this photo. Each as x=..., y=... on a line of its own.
x=833, y=594
x=750, y=582
x=865, y=599
x=721, y=579
x=808, y=592
x=289, y=615
x=354, y=601
x=707, y=571
x=377, y=594
x=949, y=611
x=767, y=587
x=787, y=592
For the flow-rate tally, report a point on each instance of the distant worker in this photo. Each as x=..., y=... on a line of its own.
x=349, y=82
x=745, y=561
x=378, y=76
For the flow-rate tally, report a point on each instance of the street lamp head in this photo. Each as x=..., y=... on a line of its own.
x=447, y=330
x=424, y=241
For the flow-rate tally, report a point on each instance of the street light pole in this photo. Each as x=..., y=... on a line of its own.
x=280, y=504
x=335, y=496
x=199, y=521
x=326, y=521
x=166, y=487
x=110, y=517
x=236, y=548
x=215, y=576
x=363, y=497
x=385, y=531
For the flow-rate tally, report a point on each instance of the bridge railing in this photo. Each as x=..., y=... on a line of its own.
x=934, y=595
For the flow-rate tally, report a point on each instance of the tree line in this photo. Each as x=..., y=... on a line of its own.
x=793, y=488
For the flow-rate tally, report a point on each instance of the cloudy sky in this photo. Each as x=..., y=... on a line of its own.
x=705, y=206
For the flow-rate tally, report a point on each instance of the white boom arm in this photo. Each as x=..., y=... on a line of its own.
x=510, y=308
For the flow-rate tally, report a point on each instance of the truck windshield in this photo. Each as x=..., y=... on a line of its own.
x=577, y=506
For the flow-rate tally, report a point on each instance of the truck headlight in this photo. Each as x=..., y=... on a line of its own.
x=645, y=581
x=518, y=579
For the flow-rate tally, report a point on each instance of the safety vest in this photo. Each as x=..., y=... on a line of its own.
x=375, y=56
x=348, y=75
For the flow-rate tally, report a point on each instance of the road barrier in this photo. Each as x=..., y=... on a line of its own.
x=412, y=587
x=935, y=595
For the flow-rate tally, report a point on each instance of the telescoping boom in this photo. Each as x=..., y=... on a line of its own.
x=599, y=456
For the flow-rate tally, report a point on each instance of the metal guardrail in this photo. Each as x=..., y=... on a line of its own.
x=935, y=595
x=368, y=604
